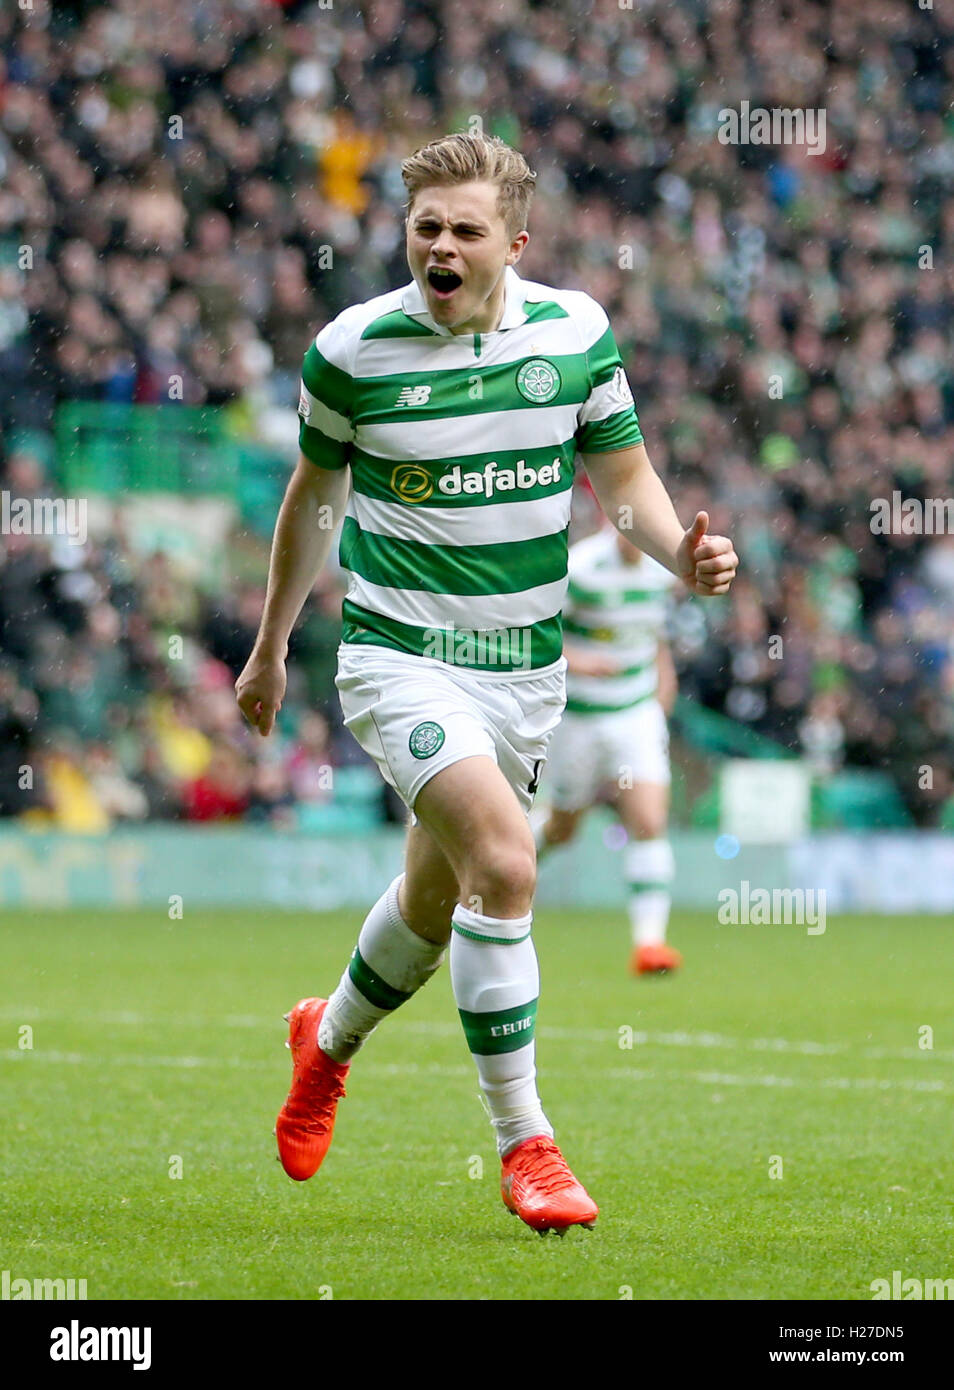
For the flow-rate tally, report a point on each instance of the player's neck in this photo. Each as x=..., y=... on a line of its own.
x=488, y=316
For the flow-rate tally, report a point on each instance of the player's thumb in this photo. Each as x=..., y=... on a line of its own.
x=698, y=528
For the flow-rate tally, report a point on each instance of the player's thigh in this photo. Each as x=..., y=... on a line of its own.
x=643, y=809
x=473, y=814
x=430, y=889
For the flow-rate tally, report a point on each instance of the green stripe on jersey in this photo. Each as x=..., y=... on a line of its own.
x=397, y=325
x=502, y=1030
x=454, y=392
x=544, y=309
x=498, y=649
x=576, y=706
x=322, y=451
x=599, y=598
x=377, y=991
x=509, y=567
x=418, y=484
x=602, y=359
x=619, y=431
x=328, y=382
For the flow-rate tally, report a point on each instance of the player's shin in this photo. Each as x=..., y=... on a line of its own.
x=496, y=983
x=389, y=964
x=649, y=868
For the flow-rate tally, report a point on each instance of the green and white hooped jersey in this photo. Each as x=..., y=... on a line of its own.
x=618, y=610
x=462, y=451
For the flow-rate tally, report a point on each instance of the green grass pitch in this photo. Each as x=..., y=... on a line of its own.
x=157, y=1045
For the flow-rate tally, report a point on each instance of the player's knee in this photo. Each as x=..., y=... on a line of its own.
x=503, y=878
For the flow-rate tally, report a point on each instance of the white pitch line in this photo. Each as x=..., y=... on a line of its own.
x=640, y=1038
x=425, y=1069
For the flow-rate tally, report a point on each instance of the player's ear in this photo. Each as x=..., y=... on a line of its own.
x=517, y=247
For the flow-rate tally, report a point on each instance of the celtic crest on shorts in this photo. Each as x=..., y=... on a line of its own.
x=426, y=739
x=538, y=381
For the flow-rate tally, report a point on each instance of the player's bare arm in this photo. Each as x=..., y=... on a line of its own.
x=666, y=676
x=584, y=663
x=635, y=499
x=314, y=502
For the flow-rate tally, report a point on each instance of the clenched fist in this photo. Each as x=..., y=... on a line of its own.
x=260, y=690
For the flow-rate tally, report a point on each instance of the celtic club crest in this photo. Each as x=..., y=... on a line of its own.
x=538, y=381
x=426, y=739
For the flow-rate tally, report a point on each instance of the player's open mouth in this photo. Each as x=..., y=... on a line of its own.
x=443, y=282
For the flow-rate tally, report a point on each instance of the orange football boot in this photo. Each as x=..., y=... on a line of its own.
x=306, y=1121
x=654, y=960
x=537, y=1186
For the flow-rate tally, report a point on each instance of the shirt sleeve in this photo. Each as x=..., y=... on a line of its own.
x=607, y=418
x=326, y=401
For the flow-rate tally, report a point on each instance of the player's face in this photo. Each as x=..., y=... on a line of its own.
x=459, y=229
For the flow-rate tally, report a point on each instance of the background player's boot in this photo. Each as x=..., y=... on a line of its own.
x=654, y=960
x=537, y=1186
x=307, y=1119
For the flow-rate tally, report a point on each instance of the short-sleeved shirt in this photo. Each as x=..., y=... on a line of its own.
x=462, y=449
x=618, y=610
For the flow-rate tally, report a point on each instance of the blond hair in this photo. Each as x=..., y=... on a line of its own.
x=462, y=158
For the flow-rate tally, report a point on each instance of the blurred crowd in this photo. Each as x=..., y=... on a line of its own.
x=117, y=701
x=199, y=188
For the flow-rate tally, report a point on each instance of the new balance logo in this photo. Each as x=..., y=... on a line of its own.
x=413, y=395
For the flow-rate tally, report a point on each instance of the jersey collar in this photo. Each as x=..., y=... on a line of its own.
x=414, y=305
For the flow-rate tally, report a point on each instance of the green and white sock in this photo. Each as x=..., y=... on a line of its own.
x=389, y=963
x=649, y=868
x=496, y=984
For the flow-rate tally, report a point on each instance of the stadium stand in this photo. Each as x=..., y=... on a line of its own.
x=188, y=193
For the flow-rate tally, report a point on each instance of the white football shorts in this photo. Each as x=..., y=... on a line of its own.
x=592, y=750
x=415, y=715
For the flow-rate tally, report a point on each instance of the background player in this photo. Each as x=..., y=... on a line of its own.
x=620, y=686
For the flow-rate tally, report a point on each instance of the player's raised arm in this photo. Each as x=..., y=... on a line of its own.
x=635, y=499
x=312, y=507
